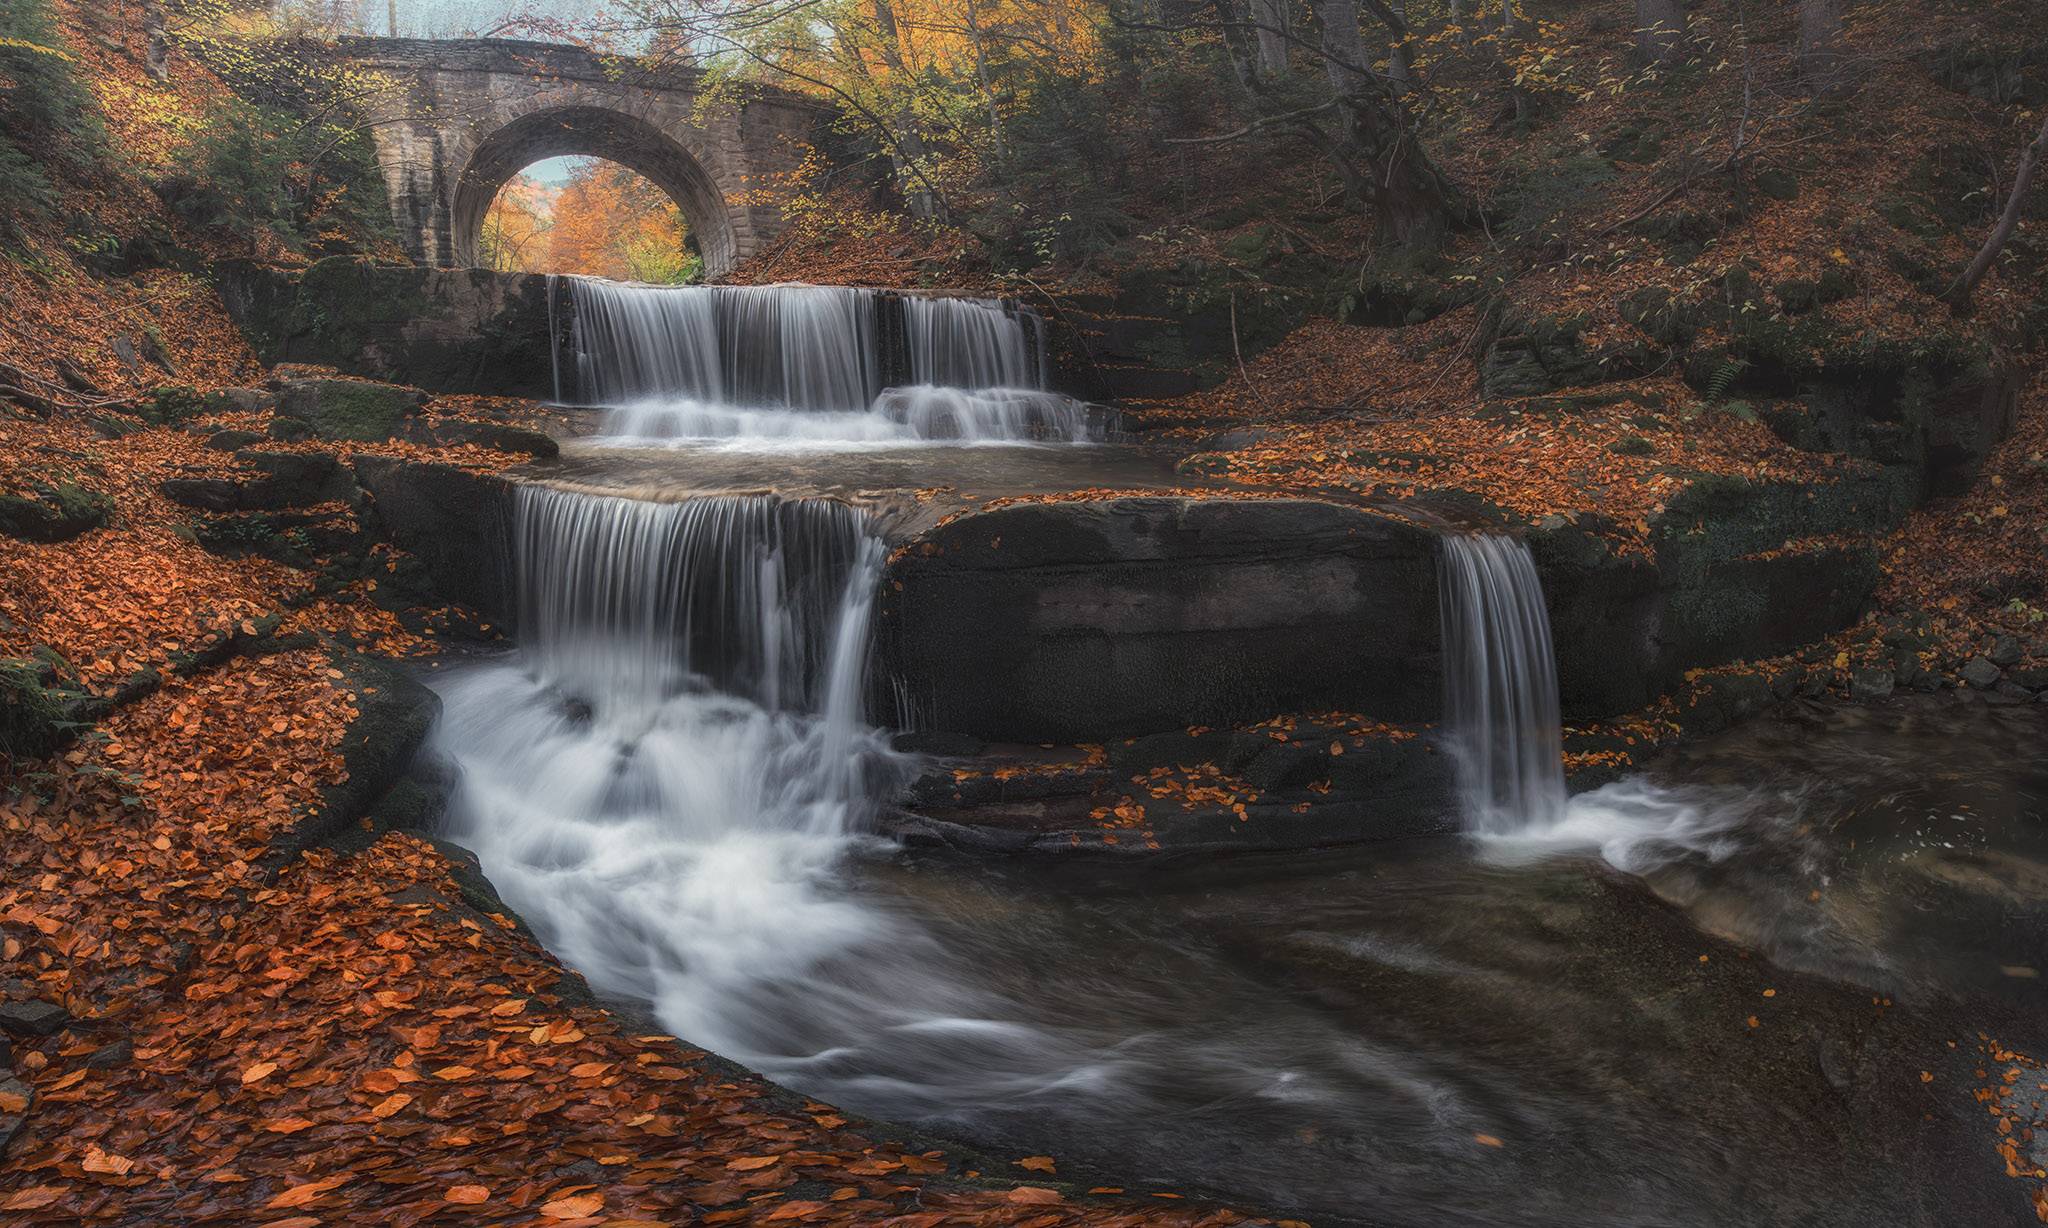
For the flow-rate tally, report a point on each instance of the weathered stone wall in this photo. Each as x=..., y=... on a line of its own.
x=444, y=330
x=1084, y=621
x=463, y=116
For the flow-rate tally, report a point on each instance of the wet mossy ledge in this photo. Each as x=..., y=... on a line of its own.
x=1091, y=620
x=442, y=330
x=492, y=333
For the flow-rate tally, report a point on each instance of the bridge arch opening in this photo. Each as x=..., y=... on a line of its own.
x=590, y=216
x=598, y=133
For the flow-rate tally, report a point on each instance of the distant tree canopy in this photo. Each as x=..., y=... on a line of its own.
x=1021, y=119
x=605, y=221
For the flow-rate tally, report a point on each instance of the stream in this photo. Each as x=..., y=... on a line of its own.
x=1701, y=996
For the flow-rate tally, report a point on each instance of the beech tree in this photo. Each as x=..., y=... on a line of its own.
x=2008, y=221
x=1820, y=41
x=1660, y=30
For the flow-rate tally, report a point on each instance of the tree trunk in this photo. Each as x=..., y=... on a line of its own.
x=2030, y=163
x=909, y=143
x=1400, y=61
x=1343, y=47
x=988, y=94
x=1269, y=17
x=1513, y=22
x=1385, y=169
x=1820, y=42
x=156, y=48
x=1660, y=30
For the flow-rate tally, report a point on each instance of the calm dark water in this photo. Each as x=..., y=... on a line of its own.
x=1331, y=1034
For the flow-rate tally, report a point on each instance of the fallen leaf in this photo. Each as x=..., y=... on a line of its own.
x=574, y=1207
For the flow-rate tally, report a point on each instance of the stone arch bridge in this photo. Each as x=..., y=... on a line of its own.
x=463, y=116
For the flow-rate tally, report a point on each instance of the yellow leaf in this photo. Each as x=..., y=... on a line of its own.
x=1487, y=1140
x=454, y=1074
x=1037, y=1164
x=390, y=1104
x=257, y=1073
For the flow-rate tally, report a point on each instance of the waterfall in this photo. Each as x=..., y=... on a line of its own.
x=664, y=776
x=1500, y=685
x=628, y=598
x=808, y=365
x=974, y=343
x=790, y=347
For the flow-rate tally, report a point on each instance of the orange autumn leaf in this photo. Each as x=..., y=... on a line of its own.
x=467, y=1195
x=574, y=1207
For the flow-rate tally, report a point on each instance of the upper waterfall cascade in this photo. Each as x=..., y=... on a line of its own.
x=818, y=364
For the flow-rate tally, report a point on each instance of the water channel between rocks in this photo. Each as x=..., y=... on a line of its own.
x=1560, y=1018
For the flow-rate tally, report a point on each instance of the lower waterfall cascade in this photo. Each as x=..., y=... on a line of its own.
x=1500, y=684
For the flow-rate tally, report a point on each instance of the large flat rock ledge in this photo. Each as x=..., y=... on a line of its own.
x=1083, y=621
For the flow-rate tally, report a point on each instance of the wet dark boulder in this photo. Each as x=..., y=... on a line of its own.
x=456, y=524
x=394, y=713
x=16, y=1099
x=233, y=440
x=33, y=1017
x=501, y=436
x=1735, y=570
x=1087, y=621
x=280, y=480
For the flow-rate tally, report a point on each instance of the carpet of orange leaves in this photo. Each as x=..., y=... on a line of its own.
x=347, y=1040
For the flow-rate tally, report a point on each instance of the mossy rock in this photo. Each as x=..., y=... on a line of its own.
x=178, y=404
x=1632, y=445
x=357, y=410
x=1797, y=295
x=1778, y=184
x=1631, y=144
x=1905, y=213
x=33, y=702
x=54, y=512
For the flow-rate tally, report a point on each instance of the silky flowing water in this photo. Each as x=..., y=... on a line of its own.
x=1544, y=1022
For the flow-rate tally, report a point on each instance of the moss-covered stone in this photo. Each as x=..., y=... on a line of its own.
x=54, y=511
x=357, y=410
x=1778, y=184
x=33, y=703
